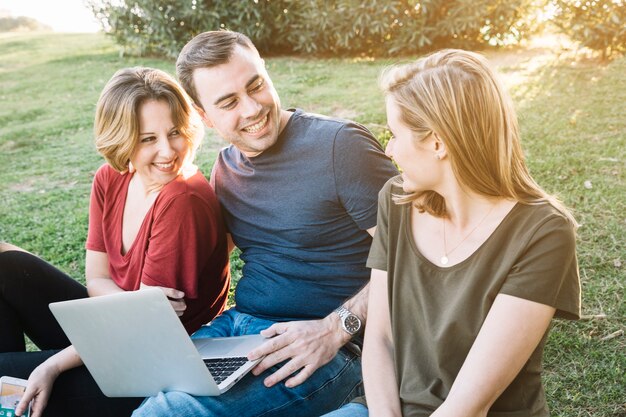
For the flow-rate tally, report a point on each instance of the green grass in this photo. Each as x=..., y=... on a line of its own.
x=574, y=131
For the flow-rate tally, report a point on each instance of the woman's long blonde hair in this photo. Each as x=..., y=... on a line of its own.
x=455, y=94
x=116, y=126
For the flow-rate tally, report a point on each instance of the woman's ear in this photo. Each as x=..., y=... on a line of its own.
x=203, y=116
x=440, y=147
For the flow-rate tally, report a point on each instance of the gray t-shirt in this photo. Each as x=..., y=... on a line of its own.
x=299, y=213
x=436, y=313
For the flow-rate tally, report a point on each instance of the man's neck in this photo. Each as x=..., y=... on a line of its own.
x=285, y=115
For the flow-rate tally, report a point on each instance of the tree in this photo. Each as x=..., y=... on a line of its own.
x=597, y=24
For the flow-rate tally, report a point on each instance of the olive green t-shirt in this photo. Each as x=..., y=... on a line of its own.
x=436, y=313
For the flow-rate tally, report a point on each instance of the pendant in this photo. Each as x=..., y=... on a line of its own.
x=444, y=260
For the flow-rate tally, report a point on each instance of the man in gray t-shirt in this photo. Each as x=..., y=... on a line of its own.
x=301, y=219
x=299, y=195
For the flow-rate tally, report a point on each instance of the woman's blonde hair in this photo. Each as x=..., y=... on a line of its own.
x=116, y=126
x=455, y=95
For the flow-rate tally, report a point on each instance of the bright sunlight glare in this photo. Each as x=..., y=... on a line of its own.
x=60, y=15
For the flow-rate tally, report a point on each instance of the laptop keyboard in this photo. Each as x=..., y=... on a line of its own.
x=222, y=368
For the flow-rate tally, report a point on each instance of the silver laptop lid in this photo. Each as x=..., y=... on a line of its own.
x=134, y=344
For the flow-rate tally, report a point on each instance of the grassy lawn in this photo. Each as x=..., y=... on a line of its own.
x=574, y=131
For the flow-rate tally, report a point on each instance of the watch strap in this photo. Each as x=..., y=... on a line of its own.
x=343, y=314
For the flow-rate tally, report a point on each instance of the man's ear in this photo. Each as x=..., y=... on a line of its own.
x=203, y=116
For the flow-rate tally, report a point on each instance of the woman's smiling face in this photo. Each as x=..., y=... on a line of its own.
x=162, y=149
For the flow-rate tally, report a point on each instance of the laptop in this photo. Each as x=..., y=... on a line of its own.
x=134, y=345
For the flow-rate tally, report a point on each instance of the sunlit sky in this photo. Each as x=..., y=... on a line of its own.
x=61, y=15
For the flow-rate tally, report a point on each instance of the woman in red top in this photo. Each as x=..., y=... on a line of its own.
x=154, y=221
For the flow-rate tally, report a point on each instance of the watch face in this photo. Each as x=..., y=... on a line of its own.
x=352, y=323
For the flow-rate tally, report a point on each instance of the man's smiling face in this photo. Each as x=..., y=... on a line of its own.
x=240, y=102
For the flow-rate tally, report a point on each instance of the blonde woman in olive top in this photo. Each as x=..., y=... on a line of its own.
x=471, y=258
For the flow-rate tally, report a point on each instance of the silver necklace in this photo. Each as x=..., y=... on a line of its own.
x=444, y=259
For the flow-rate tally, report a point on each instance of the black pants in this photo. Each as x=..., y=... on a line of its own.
x=27, y=285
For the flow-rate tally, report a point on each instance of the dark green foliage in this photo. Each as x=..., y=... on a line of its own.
x=162, y=27
x=597, y=24
x=354, y=27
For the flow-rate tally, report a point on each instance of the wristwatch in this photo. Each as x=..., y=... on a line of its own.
x=350, y=322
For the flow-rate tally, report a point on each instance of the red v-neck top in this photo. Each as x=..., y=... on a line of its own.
x=181, y=243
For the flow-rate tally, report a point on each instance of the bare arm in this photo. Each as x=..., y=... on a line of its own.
x=308, y=344
x=379, y=375
x=42, y=379
x=511, y=332
x=357, y=304
x=97, y=275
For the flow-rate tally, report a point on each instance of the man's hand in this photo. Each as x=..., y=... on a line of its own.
x=175, y=297
x=307, y=345
x=38, y=389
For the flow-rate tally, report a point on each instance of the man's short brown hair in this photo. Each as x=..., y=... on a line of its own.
x=207, y=50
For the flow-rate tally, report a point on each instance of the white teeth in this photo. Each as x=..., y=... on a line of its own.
x=164, y=165
x=257, y=126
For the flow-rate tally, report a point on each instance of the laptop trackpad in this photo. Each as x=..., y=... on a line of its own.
x=224, y=347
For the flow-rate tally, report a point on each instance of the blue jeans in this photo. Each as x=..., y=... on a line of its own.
x=331, y=386
x=349, y=410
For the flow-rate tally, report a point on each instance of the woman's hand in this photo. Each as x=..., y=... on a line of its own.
x=38, y=389
x=175, y=297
